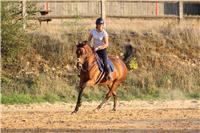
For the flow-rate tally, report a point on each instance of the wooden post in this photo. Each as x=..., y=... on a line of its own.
x=180, y=9
x=46, y=6
x=103, y=14
x=103, y=10
x=24, y=13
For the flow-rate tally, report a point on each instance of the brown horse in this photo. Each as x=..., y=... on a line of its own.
x=90, y=74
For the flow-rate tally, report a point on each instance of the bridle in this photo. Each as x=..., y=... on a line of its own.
x=88, y=68
x=84, y=62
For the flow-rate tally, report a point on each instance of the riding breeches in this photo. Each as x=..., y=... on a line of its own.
x=103, y=55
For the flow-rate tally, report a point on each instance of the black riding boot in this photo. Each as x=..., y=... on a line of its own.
x=108, y=75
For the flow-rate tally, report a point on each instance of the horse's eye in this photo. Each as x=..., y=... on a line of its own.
x=79, y=52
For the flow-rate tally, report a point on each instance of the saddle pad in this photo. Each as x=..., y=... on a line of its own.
x=101, y=65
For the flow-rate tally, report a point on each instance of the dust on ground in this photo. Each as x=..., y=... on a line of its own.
x=177, y=115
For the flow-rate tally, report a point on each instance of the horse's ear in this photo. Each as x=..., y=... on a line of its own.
x=78, y=44
x=85, y=42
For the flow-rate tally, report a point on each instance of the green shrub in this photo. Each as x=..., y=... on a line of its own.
x=133, y=64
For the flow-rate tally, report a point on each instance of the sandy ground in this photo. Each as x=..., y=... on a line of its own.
x=132, y=116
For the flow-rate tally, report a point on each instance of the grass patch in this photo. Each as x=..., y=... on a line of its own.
x=194, y=96
x=28, y=98
x=49, y=97
x=21, y=99
x=96, y=95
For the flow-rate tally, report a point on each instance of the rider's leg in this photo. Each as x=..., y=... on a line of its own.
x=103, y=55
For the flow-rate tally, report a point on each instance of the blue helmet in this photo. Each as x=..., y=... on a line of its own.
x=99, y=21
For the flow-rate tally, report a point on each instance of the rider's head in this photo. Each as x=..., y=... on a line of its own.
x=100, y=24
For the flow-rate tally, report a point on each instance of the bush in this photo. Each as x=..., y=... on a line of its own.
x=14, y=39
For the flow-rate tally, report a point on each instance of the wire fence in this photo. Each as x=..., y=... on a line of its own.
x=118, y=8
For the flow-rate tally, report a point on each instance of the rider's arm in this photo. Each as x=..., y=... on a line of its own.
x=105, y=42
x=89, y=37
x=104, y=45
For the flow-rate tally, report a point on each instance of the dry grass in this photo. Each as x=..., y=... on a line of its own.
x=167, y=54
x=164, y=46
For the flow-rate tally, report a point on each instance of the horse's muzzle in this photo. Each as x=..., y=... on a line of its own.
x=79, y=66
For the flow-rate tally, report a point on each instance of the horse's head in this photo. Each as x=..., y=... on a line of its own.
x=82, y=52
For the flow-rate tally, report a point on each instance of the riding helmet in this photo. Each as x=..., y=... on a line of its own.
x=99, y=21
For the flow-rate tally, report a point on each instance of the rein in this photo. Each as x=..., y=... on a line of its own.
x=91, y=66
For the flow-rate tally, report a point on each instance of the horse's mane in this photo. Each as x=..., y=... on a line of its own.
x=86, y=46
x=82, y=44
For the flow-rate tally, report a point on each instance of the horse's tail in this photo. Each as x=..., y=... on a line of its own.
x=129, y=53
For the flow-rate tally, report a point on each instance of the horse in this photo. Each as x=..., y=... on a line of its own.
x=90, y=75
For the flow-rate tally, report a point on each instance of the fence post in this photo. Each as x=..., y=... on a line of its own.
x=156, y=7
x=180, y=9
x=103, y=9
x=24, y=13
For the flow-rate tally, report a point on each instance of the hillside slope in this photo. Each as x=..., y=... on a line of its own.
x=168, y=63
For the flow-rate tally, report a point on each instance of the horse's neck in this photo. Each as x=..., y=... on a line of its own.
x=91, y=59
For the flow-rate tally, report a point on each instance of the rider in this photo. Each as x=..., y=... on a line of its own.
x=100, y=44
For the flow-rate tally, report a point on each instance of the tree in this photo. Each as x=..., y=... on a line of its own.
x=14, y=39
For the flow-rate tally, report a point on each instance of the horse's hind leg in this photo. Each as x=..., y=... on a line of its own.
x=115, y=101
x=114, y=93
x=108, y=95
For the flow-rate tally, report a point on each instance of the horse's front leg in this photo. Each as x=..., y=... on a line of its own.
x=78, y=104
x=82, y=86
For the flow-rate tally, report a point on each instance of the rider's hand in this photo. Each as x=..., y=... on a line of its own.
x=96, y=49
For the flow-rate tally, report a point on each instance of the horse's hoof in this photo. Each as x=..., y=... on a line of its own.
x=74, y=112
x=96, y=110
x=114, y=109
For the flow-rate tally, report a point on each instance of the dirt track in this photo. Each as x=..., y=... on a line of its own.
x=131, y=116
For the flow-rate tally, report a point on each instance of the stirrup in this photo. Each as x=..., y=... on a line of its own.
x=108, y=77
